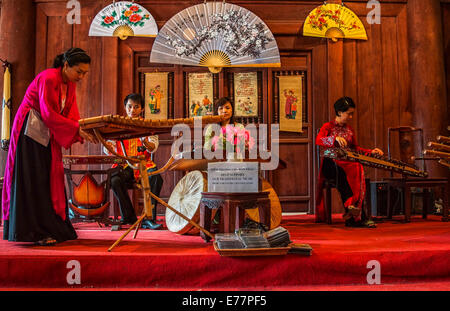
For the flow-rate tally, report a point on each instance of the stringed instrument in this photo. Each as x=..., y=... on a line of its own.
x=376, y=161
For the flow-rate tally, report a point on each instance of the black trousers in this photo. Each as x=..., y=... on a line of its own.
x=123, y=180
x=333, y=171
x=31, y=215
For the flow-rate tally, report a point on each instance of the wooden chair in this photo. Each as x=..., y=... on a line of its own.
x=328, y=206
x=326, y=188
x=404, y=184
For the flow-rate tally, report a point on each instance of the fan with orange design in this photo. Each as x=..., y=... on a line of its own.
x=334, y=21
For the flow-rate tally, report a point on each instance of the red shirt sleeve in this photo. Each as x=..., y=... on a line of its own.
x=75, y=115
x=324, y=138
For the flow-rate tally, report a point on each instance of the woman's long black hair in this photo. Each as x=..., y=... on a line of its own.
x=73, y=57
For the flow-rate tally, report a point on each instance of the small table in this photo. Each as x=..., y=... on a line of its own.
x=426, y=183
x=232, y=206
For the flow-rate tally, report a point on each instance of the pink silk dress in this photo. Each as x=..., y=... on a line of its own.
x=44, y=95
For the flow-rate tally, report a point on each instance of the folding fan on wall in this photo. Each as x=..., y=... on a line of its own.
x=124, y=19
x=216, y=35
x=334, y=21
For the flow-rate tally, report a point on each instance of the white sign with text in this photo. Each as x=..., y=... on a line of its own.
x=233, y=177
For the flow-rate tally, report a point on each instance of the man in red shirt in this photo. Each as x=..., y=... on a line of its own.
x=126, y=176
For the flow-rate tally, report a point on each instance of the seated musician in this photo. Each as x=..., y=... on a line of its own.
x=213, y=141
x=349, y=176
x=125, y=177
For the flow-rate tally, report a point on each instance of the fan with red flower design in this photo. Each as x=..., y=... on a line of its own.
x=334, y=21
x=124, y=19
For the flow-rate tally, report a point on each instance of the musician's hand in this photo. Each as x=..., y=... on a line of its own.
x=149, y=145
x=88, y=137
x=377, y=151
x=342, y=142
x=110, y=145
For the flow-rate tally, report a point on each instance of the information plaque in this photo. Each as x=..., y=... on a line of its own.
x=233, y=177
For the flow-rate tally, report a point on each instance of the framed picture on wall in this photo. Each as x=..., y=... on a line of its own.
x=245, y=94
x=156, y=95
x=201, y=94
x=291, y=102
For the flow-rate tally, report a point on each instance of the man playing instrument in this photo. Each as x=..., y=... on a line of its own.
x=126, y=176
x=349, y=176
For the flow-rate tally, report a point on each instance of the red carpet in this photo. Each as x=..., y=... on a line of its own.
x=414, y=256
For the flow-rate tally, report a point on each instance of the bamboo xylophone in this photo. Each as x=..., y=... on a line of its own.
x=374, y=161
x=120, y=127
x=440, y=150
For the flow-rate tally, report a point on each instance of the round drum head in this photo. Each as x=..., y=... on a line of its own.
x=275, y=206
x=186, y=198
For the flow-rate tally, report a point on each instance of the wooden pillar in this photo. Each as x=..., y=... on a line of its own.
x=426, y=63
x=17, y=46
x=335, y=74
x=335, y=71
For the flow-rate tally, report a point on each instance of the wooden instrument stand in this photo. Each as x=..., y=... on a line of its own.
x=96, y=213
x=407, y=184
x=140, y=162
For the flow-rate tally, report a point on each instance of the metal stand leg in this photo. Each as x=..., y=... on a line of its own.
x=137, y=223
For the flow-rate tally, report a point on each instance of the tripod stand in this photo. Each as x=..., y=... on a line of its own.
x=140, y=161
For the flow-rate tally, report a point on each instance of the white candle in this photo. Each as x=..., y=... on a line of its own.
x=6, y=112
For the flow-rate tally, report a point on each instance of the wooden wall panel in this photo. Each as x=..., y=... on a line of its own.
x=390, y=101
x=290, y=182
x=404, y=90
x=446, y=32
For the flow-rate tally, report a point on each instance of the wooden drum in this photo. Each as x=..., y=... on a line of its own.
x=275, y=206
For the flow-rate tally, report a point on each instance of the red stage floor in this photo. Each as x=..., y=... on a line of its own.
x=413, y=256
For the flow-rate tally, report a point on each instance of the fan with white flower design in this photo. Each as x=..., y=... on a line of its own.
x=123, y=19
x=216, y=35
